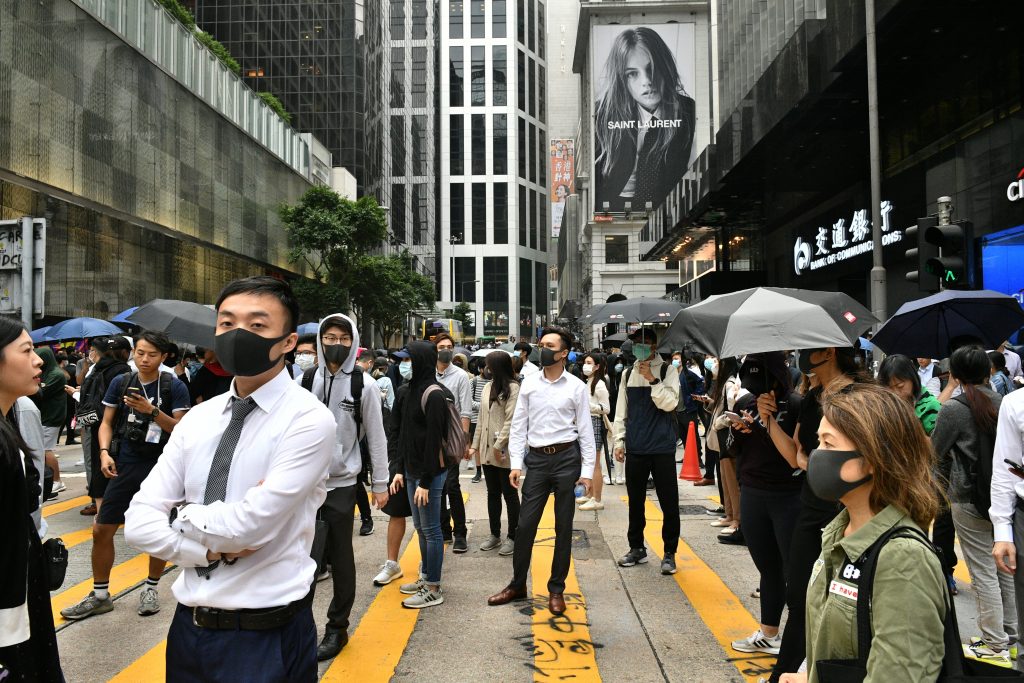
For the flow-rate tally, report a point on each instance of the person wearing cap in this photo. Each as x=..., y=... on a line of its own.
x=396, y=373
x=645, y=435
x=111, y=356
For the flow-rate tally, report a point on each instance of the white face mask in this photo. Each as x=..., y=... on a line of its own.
x=305, y=360
x=588, y=369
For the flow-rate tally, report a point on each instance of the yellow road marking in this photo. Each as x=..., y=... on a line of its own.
x=74, y=538
x=123, y=576
x=719, y=608
x=561, y=644
x=65, y=505
x=149, y=667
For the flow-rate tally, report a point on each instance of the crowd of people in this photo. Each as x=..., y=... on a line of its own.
x=245, y=465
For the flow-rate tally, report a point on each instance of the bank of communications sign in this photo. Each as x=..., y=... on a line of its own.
x=843, y=239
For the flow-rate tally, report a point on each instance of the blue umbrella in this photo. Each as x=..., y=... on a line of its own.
x=82, y=328
x=309, y=328
x=866, y=345
x=122, y=317
x=39, y=336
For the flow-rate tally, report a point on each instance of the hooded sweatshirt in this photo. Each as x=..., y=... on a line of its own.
x=335, y=392
x=421, y=433
x=51, y=399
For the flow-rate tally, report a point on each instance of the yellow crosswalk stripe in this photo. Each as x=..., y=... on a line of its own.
x=76, y=537
x=719, y=608
x=65, y=505
x=122, y=577
x=562, y=648
x=151, y=666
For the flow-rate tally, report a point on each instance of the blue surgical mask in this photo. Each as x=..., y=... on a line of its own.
x=618, y=367
x=709, y=364
x=676, y=363
x=405, y=370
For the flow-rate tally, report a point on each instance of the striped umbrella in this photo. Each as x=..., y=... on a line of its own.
x=769, y=319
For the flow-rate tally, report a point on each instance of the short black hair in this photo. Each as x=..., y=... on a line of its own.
x=158, y=339
x=308, y=338
x=367, y=354
x=523, y=346
x=265, y=285
x=565, y=334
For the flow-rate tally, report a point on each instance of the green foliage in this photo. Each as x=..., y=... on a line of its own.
x=180, y=13
x=276, y=105
x=218, y=50
x=386, y=288
x=463, y=312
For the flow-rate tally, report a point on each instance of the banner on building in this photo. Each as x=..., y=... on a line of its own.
x=644, y=113
x=563, y=179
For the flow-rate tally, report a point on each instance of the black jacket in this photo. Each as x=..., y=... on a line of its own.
x=420, y=434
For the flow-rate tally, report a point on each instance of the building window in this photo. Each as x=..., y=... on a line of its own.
x=397, y=77
x=522, y=216
x=499, y=141
x=419, y=144
x=533, y=146
x=495, y=296
x=419, y=77
x=525, y=298
x=531, y=22
x=398, y=212
x=419, y=19
x=542, y=160
x=521, y=139
x=478, y=74
x=540, y=285
x=542, y=222
x=478, y=144
x=397, y=145
x=499, y=79
x=541, y=31
x=542, y=91
x=616, y=248
x=476, y=18
x=456, y=145
x=457, y=201
x=419, y=215
x=397, y=19
x=479, y=213
x=455, y=19
x=533, y=219
x=531, y=90
x=521, y=20
x=456, y=77
x=521, y=81
x=465, y=285
x=498, y=19
x=500, y=213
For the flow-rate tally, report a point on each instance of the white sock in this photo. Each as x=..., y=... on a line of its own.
x=102, y=590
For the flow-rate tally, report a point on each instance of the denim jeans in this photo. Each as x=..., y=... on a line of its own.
x=427, y=521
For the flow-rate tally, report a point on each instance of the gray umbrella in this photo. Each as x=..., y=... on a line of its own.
x=769, y=319
x=632, y=311
x=183, y=321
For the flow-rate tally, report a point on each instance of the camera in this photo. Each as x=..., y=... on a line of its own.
x=136, y=431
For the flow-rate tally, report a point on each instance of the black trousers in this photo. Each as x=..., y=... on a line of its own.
x=547, y=474
x=944, y=535
x=339, y=513
x=455, y=511
x=804, y=550
x=769, y=518
x=662, y=468
x=498, y=487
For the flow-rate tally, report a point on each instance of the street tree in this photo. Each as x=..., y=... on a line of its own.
x=386, y=288
x=463, y=312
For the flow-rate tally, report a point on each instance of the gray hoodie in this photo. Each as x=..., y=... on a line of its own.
x=334, y=391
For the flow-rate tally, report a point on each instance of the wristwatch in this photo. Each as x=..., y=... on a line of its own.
x=155, y=413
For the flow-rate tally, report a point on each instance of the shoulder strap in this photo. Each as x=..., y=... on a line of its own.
x=122, y=415
x=356, y=389
x=426, y=393
x=629, y=371
x=664, y=371
x=167, y=392
x=307, y=378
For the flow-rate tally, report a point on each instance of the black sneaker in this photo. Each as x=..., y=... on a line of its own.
x=717, y=512
x=650, y=484
x=477, y=477
x=634, y=557
x=459, y=545
x=366, y=528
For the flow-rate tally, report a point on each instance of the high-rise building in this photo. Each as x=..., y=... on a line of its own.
x=493, y=158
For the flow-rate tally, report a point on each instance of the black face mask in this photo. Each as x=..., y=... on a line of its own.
x=244, y=353
x=445, y=356
x=755, y=380
x=336, y=353
x=823, y=473
x=547, y=357
x=803, y=361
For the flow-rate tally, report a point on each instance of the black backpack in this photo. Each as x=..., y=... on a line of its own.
x=356, y=389
x=979, y=470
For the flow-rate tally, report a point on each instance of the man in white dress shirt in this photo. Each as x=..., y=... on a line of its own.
x=233, y=500
x=552, y=426
x=1007, y=492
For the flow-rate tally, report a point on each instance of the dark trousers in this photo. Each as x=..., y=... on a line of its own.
x=943, y=535
x=804, y=550
x=769, y=518
x=498, y=487
x=546, y=474
x=662, y=468
x=278, y=655
x=363, y=502
x=455, y=512
x=684, y=420
x=339, y=513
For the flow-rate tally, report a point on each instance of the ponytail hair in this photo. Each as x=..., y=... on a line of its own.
x=971, y=365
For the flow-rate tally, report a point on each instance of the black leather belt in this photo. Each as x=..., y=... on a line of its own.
x=247, y=619
x=554, y=448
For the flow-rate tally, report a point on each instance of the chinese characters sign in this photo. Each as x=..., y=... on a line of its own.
x=842, y=239
x=563, y=179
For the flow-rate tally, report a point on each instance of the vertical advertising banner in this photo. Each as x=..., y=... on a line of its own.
x=563, y=180
x=644, y=113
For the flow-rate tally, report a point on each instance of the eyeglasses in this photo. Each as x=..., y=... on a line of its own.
x=331, y=339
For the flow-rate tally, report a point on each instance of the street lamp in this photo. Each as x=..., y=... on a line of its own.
x=462, y=288
x=453, y=240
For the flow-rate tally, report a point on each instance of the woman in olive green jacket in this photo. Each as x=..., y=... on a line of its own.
x=875, y=458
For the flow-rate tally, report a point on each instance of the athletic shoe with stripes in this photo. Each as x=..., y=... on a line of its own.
x=979, y=649
x=758, y=642
x=423, y=598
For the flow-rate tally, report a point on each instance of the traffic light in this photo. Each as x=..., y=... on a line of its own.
x=954, y=266
x=920, y=254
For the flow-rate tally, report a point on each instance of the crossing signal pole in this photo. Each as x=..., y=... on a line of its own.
x=954, y=241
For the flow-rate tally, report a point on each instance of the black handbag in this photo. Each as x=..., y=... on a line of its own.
x=56, y=562
x=956, y=668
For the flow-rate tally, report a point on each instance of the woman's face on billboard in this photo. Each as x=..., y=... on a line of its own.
x=639, y=79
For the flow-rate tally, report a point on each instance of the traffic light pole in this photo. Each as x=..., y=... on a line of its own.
x=878, y=276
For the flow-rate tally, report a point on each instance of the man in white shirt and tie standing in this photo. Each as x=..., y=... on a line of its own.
x=233, y=501
x=552, y=426
x=1007, y=493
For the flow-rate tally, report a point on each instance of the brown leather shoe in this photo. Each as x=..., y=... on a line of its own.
x=88, y=510
x=704, y=482
x=556, y=603
x=507, y=595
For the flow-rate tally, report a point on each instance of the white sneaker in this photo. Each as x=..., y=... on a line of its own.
x=389, y=571
x=592, y=505
x=723, y=522
x=424, y=597
x=582, y=500
x=759, y=642
x=607, y=480
x=620, y=477
x=58, y=486
x=149, y=602
x=508, y=546
x=979, y=649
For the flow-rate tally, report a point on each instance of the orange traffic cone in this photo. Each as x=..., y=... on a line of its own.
x=690, y=470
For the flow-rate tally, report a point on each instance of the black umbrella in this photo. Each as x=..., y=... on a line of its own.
x=183, y=321
x=924, y=328
x=632, y=311
x=769, y=319
x=613, y=341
